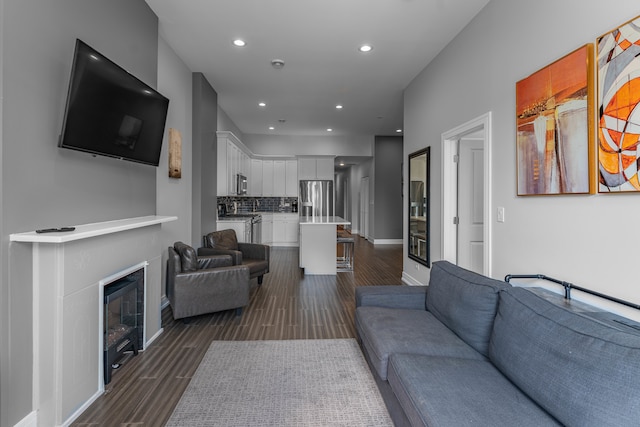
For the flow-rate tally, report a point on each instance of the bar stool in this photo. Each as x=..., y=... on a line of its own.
x=346, y=243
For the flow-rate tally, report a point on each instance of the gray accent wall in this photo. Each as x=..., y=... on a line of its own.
x=205, y=144
x=43, y=185
x=387, y=198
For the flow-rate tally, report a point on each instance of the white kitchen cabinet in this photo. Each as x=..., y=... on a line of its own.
x=267, y=228
x=242, y=229
x=291, y=178
x=267, y=178
x=233, y=158
x=324, y=168
x=285, y=229
x=315, y=168
x=255, y=180
x=279, y=178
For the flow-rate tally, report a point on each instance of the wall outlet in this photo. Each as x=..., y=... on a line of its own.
x=417, y=266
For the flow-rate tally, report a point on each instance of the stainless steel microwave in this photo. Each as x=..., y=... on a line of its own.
x=241, y=184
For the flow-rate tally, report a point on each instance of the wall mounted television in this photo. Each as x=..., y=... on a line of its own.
x=110, y=112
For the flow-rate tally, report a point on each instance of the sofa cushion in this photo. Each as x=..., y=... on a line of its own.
x=223, y=239
x=582, y=371
x=448, y=391
x=384, y=331
x=188, y=256
x=466, y=302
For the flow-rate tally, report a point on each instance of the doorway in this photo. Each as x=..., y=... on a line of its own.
x=466, y=195
x=364, y=207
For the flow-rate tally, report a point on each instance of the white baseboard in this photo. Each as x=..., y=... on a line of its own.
x=387, y=241
x=30, y=420
x=407, y=279
x=82, y=408
x=153, y=338
x=164, y=302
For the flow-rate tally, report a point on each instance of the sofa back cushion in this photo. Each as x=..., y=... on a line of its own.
x=581, y=370
x=465, y=302
x=223, y=239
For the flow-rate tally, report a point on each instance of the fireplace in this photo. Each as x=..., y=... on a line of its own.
x=123, y=322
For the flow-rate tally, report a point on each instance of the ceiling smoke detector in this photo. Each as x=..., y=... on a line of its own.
x=277, y=64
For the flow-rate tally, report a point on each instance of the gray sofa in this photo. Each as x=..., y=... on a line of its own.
x=468, y=350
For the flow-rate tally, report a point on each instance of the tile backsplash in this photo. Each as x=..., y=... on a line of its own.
x=258, y=204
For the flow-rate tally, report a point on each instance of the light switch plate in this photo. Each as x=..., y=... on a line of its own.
x=500, y=214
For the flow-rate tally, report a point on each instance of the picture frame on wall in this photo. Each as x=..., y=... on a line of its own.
x=618, y=59
x=555, y=129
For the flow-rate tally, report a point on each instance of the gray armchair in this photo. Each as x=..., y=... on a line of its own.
x=204, y=284
x=225, y=242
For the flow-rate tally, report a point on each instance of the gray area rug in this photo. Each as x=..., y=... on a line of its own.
x=282, y=383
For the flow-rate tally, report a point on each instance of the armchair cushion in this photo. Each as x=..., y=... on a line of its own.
x=188, y=257
x=223, y=239
x=224, y=242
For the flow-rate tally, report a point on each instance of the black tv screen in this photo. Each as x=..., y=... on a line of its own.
x=110, y=112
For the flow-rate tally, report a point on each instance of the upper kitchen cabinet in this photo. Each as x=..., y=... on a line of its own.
x=267, y=178
x=255, y=183
x=315, y=168
x=233, y=159
x=291, y=178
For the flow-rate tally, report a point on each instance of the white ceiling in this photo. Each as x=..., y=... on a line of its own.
x=318, y=41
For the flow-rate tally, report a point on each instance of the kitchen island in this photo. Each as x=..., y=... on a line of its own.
x=318, y=248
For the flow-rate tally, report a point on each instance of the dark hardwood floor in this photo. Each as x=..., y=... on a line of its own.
x=288, y=305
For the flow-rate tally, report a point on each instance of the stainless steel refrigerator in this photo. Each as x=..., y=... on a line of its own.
x=316, y=198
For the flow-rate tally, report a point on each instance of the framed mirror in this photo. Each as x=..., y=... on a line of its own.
x=419, y=235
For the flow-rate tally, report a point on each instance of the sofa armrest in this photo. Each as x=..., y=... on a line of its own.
x=214, y=261
x=236, y=256
x=392, y=296
x=254, y=250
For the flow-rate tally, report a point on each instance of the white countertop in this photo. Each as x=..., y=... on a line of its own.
x=86, y=231
x=323, y=220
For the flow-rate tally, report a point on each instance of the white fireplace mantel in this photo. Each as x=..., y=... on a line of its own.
x=87, y=231
x=67, y=269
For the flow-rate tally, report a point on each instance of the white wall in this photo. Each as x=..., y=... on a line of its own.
x=586, y=240
x=174, y=194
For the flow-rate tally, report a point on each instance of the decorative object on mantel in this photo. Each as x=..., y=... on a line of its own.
x=554, y=134
x=619, y=108
x=175, y=153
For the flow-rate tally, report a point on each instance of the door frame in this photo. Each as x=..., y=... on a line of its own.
x=449, y=140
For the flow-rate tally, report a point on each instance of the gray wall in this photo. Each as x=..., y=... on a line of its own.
x=174, y=194
x=42, y=185
x=387, y=190
x=572, y=238
x=205, y=181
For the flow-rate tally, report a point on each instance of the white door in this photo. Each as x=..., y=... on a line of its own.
x=471, y=204
x=364, y=207
x=479, y=250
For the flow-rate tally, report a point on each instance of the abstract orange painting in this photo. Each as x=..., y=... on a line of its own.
x=554, y=127
x=619, y=108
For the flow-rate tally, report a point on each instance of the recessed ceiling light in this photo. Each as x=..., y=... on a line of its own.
x=262, y=104
x=271, y=128
x=239, y=43
x=399, y=130
x=329, y=130
x=341, y=163
x=365, y=48
x=338, y=107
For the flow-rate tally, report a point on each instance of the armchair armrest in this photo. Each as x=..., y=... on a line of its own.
x=254, y=250
x=214, y=261
x=392, y=296
x=236, y=256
